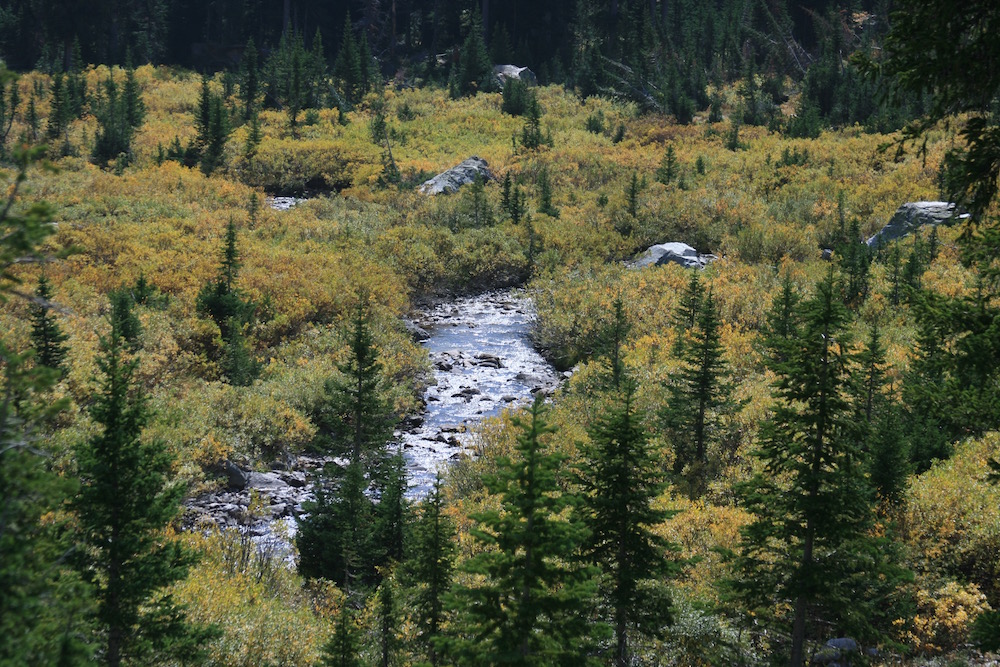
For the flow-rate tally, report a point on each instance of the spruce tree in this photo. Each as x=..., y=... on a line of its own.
x=545, y=194
x=632, y=196
x=392, y=510
x=45, y=607
x=59, y=111
x=354, y=417
x=224, y=303
x=335, y=541
x=621, y=482
x=343, y=649
x=249, y=80
x=531, y=133
x=125, y=503
x=808, y=551
x=347, y=68
x=667, y=171
x=388, y=621
x=475, y=71
x=47, y=338
x=696, y=399
x=531, y=603
x=428, y=570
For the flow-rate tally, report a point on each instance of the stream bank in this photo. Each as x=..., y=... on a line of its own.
x=483, y=361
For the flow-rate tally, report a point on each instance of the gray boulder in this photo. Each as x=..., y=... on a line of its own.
x=505, y=73
x=913, y=215
x=236, y=476
x=266, y=481
x=672, y=253
x=459, y=175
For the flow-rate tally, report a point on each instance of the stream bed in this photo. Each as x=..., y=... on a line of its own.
x=483, y=361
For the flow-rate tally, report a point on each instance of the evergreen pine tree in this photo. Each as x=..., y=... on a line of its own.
x=347, y=68
x=46, y=336
x=59, y=111
x=428, y=570
x=45, y=607
x=621, y=481
x=126, y=501
x=611, y=341
x=531, y=133
x=388, y=622
x=223, y=302
x=249, y=80
x=807, y=549
x=632, y=196
x=343, y=649
x=475, y=71
x=115, y=112
x=354, y=418
x=392, y=511
x=135, y=108
x=316, y=75
x=667, y=171
x=545, y=194
x=335, y=540
x=687, y=312
x=371, y=78
x=530, y=606
x=696, y=399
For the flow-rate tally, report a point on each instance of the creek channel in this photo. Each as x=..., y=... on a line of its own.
x=483, y=361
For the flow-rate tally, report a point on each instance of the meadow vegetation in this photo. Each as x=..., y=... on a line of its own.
x=766, y=208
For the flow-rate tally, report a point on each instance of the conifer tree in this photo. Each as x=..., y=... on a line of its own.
x=249, y=80
x=611, y=342
x=807, y=549
x=696, y=398
x=667, y=171
x=620, y=478
x=545, y=194
x=45, y=607
x=782, y=325
x=388, y=621
x=347, y=68
x=59, y=111
x=125, y=502
x=119, y=114
x=224, y=303
x=475, y=71
x=531, y=133
x=335, y=540
x=343, y=649
x=355, y=419
x=530, y=608
x=46, y=336
x=392, y=510
x=880, y=420
x=428, y=570
x=632, y=196
x=316, y=75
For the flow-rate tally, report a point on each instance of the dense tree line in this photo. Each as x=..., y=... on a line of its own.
x=665, y=56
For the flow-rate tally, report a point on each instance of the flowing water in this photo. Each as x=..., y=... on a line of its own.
x=483, y=361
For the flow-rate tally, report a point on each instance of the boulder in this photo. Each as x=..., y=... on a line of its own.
x=266, y=481
x=912, y=216
x=236, y=476
x=676, y=253
x=505, y=73
x=459, y=175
